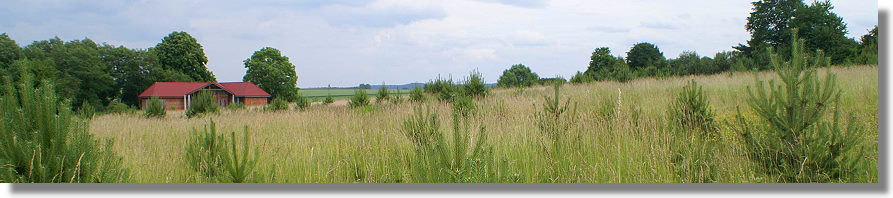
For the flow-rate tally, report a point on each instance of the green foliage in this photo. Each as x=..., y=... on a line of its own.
x=272, y=72
x=213, y=157
x=236, y=106
x=517, y=76
x=436, y=159
x=580, y=77
x=443, y=89
x=329, y=99
x=600, y=64
x=643, y=55
x=42, y=142
x=559, y=143
x=181, y=53
x=474, y=85
x=116, y=107
x=359, y=99
x=383, y=94
x=695, y=136
x=301, y=102
x=277, y=104
x=203, y=102
x=417, y=95
x=155, y=108
x=87, y=111
x=793, y=141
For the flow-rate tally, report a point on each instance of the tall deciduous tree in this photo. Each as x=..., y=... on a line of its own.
x=272, y=72
x=644, y=55
x=517, y=75
x=81, y=75
x=824, y=30
x=600, y=63
x=180, y=52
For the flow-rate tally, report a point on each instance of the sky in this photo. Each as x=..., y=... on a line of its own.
x=348, y=42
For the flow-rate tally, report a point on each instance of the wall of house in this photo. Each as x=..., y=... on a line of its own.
x=255, y=101
x=169, y=103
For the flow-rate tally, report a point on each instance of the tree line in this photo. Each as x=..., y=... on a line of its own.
x=771, y=25
x=87, y=73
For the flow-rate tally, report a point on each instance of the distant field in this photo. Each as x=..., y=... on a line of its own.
x=341, y=93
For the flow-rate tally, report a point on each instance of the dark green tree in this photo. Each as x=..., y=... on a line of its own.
x=824, y=30
x=130, y=70
x=643, y=55
x=180, y=52
x=9, y=52
x=272, y=72
x=769, y=25
x=82, y=77
x=517, y=76
x=600, y=63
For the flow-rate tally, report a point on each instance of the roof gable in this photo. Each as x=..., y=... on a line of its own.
x=244, y=89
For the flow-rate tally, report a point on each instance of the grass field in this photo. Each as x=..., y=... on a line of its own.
x=319, y=94
x=620, y=127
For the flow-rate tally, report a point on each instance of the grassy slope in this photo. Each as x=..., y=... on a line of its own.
x=338, y=144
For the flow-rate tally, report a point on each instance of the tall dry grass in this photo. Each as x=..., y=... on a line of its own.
x=621, y=130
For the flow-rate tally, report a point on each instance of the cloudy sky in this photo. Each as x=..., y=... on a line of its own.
x=347, y=42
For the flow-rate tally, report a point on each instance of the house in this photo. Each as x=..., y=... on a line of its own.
x=178, y=95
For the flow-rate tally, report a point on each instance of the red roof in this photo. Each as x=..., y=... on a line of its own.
x=180, y=89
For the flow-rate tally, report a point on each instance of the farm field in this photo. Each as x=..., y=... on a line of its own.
x=341, y=93
x=620, y=128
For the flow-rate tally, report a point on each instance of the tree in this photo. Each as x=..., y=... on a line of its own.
x=272, y=72
x=643, y=55
x=868, y=48
x=516, y=76
x=824, y=30
x=180, y=52
x=81, y=75
x=600, y=63
x=9, y=51
x=130, y=70
x=769, y=25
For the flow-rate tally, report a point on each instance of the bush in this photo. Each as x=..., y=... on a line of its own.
x=559, y=145
x=236, y=106
x=329, y=99
x=383, y=94
x=695, y=136
x=436, y=159
x=203, y=102
x=277, y=104
x=793, y=141
x=301, y=102
x=42, y=142
x=579, y=77
x=475, y=86
x=360, y=98
x=87, y=110
x=118, y=107
x=220, y=160
x=155, y=108
x=417, y=95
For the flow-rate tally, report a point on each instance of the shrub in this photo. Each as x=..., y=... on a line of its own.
x=360, y=98
x=474, y=85
x=793, y=141
x=559, y=145
x=579, y=77
x=155, y=108
x=417, y=95
x=236, y=106
x=87, y=110
x=436, y=159
x=117, y=107
x=214, y=157
x=42, y=142
x=301, y=102
x=329, y=99
x=383, y=94
x=277, y=104
x=695, y=135
x=203, y=102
